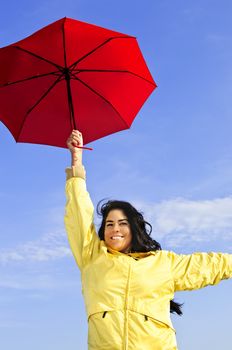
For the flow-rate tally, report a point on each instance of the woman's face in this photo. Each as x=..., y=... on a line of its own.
x=117, y=233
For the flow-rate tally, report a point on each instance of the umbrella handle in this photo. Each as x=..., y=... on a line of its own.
x=87, y=148
x=83, y=147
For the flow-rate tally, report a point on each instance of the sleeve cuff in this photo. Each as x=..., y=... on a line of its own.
x=75, y=171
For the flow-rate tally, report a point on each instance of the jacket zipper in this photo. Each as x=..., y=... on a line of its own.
x=126, y=310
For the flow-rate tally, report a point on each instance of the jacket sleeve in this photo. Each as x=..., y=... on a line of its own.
x=199, y=270
x=79, y=213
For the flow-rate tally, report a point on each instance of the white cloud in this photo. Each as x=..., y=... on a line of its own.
x=50, y=246
x=184, y=220
x=176, y=220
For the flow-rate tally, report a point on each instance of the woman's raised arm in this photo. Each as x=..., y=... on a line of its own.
x=79, y=212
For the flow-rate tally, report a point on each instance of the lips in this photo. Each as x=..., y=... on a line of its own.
x=118, y=237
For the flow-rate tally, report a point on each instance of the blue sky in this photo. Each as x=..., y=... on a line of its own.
x=175, y=164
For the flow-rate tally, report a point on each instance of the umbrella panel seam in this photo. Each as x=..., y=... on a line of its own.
x=35, y=105
x=115, y=71
x=30, y=78
x=102, y=97
x=38, y=56
x=98, y=47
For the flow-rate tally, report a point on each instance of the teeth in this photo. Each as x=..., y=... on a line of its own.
x=117, y=237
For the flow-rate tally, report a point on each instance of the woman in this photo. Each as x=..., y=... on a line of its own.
x=127, y=290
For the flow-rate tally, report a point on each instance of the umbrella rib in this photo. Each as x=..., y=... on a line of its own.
x=98, y=47
x=30, y=78
x=36, y=104
x=99, y=95
x=40, y=57
x=115, y=71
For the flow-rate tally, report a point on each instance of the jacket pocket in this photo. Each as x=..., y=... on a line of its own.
x=158, y=322
x=104, y=329
x=99, y=315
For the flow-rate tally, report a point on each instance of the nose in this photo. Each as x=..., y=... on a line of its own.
x=116, y=228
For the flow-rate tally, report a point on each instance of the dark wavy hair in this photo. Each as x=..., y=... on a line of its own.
x=141, y=232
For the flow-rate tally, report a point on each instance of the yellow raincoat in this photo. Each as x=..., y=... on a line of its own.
x=127, y=296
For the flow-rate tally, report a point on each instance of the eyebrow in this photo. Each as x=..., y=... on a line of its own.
x=118, y=220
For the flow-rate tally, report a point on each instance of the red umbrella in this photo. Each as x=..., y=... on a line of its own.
x=71, y=75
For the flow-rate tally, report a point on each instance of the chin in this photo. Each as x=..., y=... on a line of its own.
x=117, y=247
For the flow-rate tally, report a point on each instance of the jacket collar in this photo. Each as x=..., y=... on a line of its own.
x=133, y=255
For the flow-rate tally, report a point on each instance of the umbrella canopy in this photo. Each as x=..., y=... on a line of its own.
x=71, y=75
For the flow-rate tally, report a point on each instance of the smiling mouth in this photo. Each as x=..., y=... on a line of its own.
x=117, y=237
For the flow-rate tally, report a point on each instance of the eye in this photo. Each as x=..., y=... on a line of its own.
x=109, y=224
